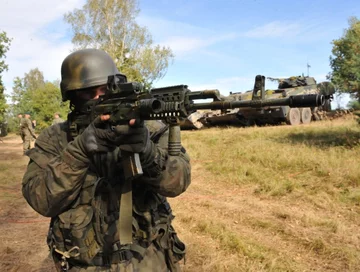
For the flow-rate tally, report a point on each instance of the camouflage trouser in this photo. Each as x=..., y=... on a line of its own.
x=26, y=144
x=22, y=137
x=153, y=261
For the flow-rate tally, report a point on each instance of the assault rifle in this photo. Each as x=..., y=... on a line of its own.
x=128, y=100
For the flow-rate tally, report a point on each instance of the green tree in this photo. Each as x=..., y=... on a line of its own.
x=23, y=88
x=45, y=101
x=110, y=25
x=34, y=80
x=345, y=61
x=354, y=104
x=4, y=47
x=18, y=92
x=39, y=97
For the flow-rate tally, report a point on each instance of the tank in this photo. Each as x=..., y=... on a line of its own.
x=231, y=117
x=296, y=85
x=194, y=121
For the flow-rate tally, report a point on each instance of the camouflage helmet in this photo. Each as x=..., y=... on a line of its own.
x=85, y=68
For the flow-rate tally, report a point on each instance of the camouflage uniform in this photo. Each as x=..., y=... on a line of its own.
x=20, y=130
x=83, y=202
x=27, y=133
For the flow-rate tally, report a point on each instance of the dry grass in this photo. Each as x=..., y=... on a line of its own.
x=261, y=199
x=272, y=198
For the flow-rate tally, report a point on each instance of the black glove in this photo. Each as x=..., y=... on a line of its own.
x=96, y=138
x=134, y=139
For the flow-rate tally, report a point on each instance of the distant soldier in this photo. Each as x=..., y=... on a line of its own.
x=57, y=119
x=27, y=132
x=20, y=116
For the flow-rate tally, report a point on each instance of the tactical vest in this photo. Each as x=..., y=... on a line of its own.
x=87, y=235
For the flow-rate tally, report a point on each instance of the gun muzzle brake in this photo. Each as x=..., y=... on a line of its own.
x=309, y=100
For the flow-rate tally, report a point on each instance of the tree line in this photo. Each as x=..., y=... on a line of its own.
x=345, y=62
x=107, y=25
x=112, y=27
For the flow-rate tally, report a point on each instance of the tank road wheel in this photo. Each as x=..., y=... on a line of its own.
x=306, y=115
x=293, y=117
x=315, y=114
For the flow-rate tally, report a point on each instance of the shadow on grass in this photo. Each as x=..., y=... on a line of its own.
x=346, y=138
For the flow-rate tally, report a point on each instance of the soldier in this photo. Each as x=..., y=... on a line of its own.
x=76, y=177
x=27, y=132
x=20, y=116
x=57, y=119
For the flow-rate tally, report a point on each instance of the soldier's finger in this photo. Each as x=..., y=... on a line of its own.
x=100, y=120
x=136, y=123
x=105, y=117
x=132, y=122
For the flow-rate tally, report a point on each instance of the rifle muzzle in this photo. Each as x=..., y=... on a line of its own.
x=151, y=106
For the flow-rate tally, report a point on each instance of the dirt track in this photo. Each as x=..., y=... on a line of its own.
x=22, y=231
x=226, y=226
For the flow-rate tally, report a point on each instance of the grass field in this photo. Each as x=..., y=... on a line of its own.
x=262, y=199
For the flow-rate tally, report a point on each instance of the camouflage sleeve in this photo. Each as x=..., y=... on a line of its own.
x=53, y=178
x=167, y=175
x=30, y=127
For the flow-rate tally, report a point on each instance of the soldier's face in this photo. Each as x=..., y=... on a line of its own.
x=91, y=94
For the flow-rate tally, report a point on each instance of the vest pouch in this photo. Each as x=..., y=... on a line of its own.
x=77, y=230
x=87, y=191
x=55, y=237
x=177, y=247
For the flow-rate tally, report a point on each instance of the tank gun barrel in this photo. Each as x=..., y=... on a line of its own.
x=296, y=101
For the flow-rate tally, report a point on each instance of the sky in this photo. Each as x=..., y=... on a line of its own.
x=218, y=44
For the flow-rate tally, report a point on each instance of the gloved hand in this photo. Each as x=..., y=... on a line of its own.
x=96, y=138
x=133, y=138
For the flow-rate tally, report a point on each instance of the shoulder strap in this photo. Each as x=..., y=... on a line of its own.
x=155, y=136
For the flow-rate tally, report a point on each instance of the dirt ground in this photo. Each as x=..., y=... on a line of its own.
x=203, y=208
x=22, y=231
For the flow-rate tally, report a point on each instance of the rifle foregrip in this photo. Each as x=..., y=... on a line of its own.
x=174, y=147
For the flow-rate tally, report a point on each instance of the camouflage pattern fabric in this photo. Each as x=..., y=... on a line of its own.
x=83, y=201
x=20, y=130
x=27, y=133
